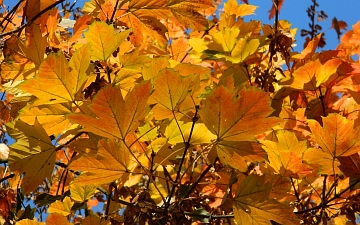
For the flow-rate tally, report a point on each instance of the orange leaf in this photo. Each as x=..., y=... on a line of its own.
x=285, y=154
x=310, y=48
x=112, y=160
x=337, y=137
x=114, y=116
x=238, y=117
x=311, y=75
x=272, y=11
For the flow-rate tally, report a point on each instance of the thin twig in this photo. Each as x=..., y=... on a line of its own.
x=31, y=20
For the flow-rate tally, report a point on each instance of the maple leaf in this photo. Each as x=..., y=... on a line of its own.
x=171, y=89
x=311, y=75
x=235, y=119
x=176, y=129
x=110, y=163
x=51, y=117
x=253, y=205
x=65, y=82
x=61, y=207
x=82, y=193
x=286, y=153
x=231, y=7
x=103, y=40
x=238, y=117
x=32, y=153
x=114, y=116
x=337, y=137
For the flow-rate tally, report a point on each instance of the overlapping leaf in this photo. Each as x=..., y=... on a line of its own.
x=253, y=203
x=32, y=153
x=52, y=117
x=235, y=119
x=337, y=137
x=112, y=160
x=171, y=89
x=56, y=82
x=238, y=117
x=115, y=117
x=312, y=74
x=103, y=40
x=285, y=154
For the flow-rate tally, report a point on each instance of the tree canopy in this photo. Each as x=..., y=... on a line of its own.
x=176, y=112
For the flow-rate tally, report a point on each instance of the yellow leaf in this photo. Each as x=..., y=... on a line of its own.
x=78, y=66
x=82, y=193
x=36, y=44
x=155, y=193
x=52, y=118
x=32, y=153
x=253, y=205
x=232, y=8
x=224, y=40
x=114, y=116
x=54, y=70
x=112, y=160
x=285, y=154
x=200, y=133
x=103, y=39
x=239, y=154
x=61, y=207
x=171, y=89
x=243, y=50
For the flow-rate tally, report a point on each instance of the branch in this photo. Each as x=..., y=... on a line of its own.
x=32, y=19
x=209, y=215
x=7, y=177
x=187, y=146
x=328, y=201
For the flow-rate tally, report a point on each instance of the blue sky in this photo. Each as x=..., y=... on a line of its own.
x=295, y=12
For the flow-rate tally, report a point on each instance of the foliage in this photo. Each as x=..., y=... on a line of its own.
x=165, y=112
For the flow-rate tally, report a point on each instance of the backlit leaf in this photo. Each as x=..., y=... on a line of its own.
x=238, y=117
x=312, y=74
x=337, y=137
x=253, y=205
x=285, y=154
x=82, y=193
x=61, y=207
x=54, y=70
x=115, y=117
x=112, y=160
x=32, y=153
x=103, y=40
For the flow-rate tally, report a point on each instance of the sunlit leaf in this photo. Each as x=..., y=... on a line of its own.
x=238, y=117
x=54, y=70
x=61, y=207
x=82, y=193
x=32, y=153
x=337, y=137
x=285, y=154
x=112, y=160
x=115, y=117
x=103, y=40
x=312, y=74
x=253, y=205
